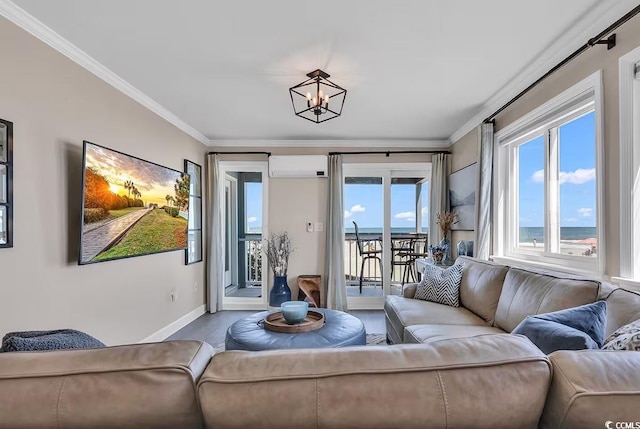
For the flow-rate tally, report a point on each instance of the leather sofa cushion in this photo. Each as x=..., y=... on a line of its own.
x=135, y=386
x=426, y=333
x=401, y=312
x=591, y=387
x=436, y=385
x=623, y=307
x=526, y=293
x=481, y=286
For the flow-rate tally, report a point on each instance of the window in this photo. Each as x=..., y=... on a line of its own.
x=547, y=182
x=253, y=201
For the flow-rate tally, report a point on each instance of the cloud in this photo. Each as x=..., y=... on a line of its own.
x=354, y=209
x=585, y=211
x=577, y=177
x=571, y=219
x=251, y=219
x=409, y=216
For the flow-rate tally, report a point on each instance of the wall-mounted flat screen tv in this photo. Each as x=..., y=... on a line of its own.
x=131, y=207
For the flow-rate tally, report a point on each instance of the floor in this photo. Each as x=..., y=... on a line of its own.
x=211, y=328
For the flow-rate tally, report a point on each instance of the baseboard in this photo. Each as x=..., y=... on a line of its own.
x=175, y=326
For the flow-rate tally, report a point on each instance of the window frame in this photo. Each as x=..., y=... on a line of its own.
x=629, y=233
x=575, y=102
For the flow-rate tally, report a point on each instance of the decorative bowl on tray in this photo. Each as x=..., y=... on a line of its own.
x=294, y=311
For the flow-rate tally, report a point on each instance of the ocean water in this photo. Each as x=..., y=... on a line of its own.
x=571, y=233
x=527, y=234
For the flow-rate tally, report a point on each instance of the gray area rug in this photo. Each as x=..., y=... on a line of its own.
x=372, y=340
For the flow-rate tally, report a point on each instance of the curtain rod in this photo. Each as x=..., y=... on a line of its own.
x=239, y=153
x=597, y=40
x=387, y=152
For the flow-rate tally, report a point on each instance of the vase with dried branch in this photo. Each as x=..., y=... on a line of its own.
x=444, y=220
x=278, y=250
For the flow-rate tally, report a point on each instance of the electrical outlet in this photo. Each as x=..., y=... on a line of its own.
x=319, y=227
x=309, y=227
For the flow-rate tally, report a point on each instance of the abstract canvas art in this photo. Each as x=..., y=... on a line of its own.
x=462, y=197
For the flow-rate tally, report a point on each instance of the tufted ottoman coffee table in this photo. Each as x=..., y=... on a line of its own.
x=340, y=330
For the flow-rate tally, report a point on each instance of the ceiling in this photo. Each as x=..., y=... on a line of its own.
x=414, y=69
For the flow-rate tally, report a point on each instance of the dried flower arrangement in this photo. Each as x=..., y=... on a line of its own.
x=278, y=249
x=445, y=219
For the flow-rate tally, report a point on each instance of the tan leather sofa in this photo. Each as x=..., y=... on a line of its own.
x=466, y=372
x=588, y=387
x=486, y=382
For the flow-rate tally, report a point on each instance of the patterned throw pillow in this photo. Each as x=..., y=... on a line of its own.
x=626, y=337
x=441, y=286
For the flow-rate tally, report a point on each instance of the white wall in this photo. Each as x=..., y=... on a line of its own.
x=55, y=105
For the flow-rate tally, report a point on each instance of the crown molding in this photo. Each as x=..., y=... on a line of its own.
x=373, y=143
x=597, y=19
x=36, y=28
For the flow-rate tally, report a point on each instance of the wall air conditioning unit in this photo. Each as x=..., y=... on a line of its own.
x=298, y=166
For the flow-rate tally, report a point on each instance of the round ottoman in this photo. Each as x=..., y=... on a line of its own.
x=340, y=330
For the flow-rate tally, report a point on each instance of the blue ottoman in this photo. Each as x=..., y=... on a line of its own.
x=340, y=330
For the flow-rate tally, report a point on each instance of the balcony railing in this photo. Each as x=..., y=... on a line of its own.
x=352, y=259
x=401, y=246
x=253, y=260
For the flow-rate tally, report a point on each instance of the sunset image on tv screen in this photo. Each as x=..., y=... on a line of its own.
x=131, y=207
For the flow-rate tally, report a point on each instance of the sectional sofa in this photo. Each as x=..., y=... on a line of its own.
x=482, y=378
x=588, y=388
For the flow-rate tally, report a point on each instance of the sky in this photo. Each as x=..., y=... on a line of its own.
x=364, y=205
x=577, y=176
x=253, y=194
x=153, y=181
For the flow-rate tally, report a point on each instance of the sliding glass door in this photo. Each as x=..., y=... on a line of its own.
x=385, y=219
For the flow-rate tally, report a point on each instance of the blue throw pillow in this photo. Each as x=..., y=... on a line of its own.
x=589, y=318
x=550, y=336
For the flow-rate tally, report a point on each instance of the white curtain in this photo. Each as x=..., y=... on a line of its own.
x=484, y=200
x=215, y=242
x=335, y=284
x=438, y=193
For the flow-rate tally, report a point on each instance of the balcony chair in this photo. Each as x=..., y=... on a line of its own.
x=367, y=253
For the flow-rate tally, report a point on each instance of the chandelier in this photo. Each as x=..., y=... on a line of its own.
x=317, y=99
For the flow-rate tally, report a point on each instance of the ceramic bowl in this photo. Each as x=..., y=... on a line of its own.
x=294, y=311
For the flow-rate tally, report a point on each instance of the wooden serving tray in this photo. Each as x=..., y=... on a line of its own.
x=275, y=322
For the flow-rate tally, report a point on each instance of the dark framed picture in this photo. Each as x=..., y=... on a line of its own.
x=193, y=253
x=6, y=184
x=131, y=207
x=462, y=197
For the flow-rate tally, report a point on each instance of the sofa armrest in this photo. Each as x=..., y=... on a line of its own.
x=409, y=290
x=443, y=383
x=132, y=386
x=591, y=387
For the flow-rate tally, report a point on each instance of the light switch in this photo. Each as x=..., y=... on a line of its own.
x=319, y=227
x=309, y=227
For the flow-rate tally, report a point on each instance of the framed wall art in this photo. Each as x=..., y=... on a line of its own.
x=6, y=184
x=462, y=197
x=193, y=253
